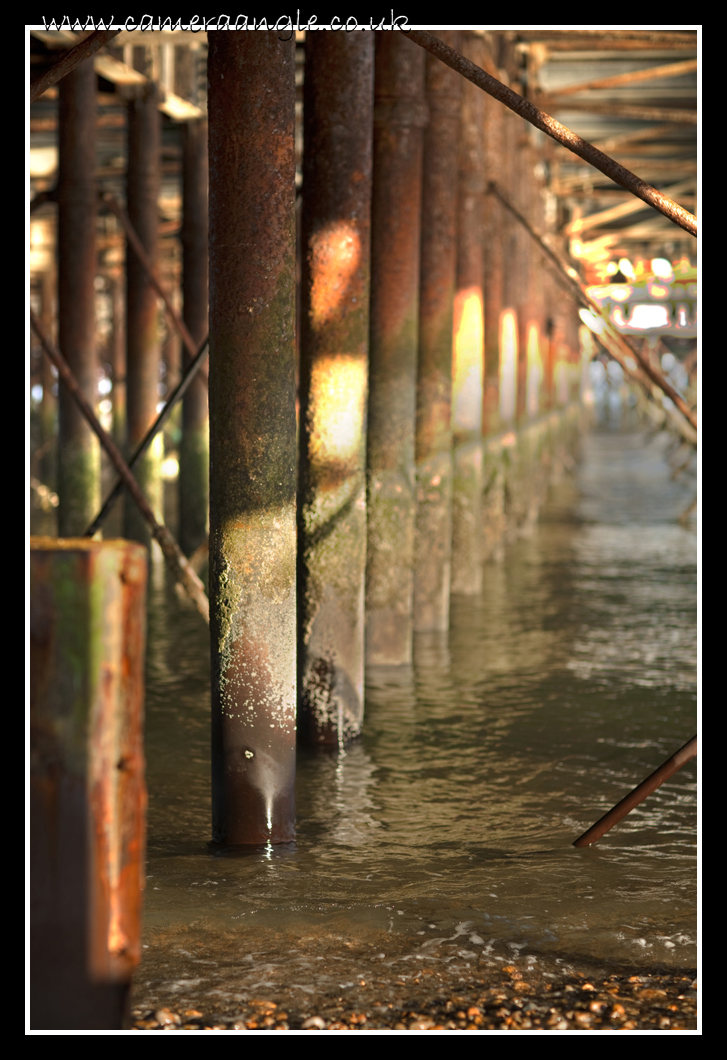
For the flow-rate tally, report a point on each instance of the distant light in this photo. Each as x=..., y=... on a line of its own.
x=649, y=316
x=594, y=323
x=662, y=268
x=627, y=268
x=668, y=361
x=36, y=393
x=105, y=386
x=105, y=406
x=170, y=468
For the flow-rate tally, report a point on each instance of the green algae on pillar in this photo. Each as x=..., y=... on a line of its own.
x=252, y=436
x=79, y=455
x=400, y=114
x=333, y=383
x=432, y=566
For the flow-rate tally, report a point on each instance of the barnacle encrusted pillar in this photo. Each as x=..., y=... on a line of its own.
x=252, y=436
x=336, y=222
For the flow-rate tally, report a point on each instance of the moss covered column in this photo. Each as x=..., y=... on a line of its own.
x=433, y=546
x=143, y=353
x=79, y=459
x=338, y=131
x=194, y=449
x=469, y=340
x=400, y=115
x=252, y=436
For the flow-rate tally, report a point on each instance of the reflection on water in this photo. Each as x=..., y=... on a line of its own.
x=440, y=843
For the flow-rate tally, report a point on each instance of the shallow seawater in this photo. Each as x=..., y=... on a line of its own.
x=440, y=843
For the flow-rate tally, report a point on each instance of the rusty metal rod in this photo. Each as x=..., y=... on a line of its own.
x=146, y=441
x=579, y=292
x=554, y=129
x=115, y=206
x=639, y=793
x=176, y=560
x=70, y=61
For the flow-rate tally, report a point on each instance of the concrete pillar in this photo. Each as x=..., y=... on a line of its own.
x=194, y=449
x=142, y=313
x=400, y=115
x=87, y=792
x=433, y=545
x=336, y=227
x=79, y=458
x=469, y=339
x=252, y=436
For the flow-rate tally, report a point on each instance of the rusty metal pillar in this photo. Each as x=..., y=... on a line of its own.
x=142, y=314
x=49, y=402
x=469, y=339
x=400, y=114
x=87, y=791
x=433, y=544
x=79, y=458
x=336, y=223
x=493, y=263
x=194, y=450
x=509, y=337
x=252, y=436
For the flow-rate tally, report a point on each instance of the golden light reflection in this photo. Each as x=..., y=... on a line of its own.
x=534, y=370
x=337, y=408
x=508, y=364
x=335, y=255
x=468, y=359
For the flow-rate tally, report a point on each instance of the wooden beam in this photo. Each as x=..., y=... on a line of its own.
x=623, y=209
x=612, y=169
x=70, y=61
x=651, y=73
x=683, y=115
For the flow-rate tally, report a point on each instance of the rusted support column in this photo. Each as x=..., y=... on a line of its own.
x=509, y=335
x=87, y=791
x=493, y=266
x=79, y=459
x=252, y=436
x=433, y=545
x=336, y=222
x=400, y=114
x=49, y=402
x=469, y=340
x=194, y=450
x=142, y=323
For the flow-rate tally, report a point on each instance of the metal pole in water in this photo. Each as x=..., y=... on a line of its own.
x=142, y=324
x=640, y=792
x=87, y=790
x=79, y=456
x=252, y=436
x=336, y=225
x=433, y=544
x=194, y=449
x=469, y=342
x=400, y=114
